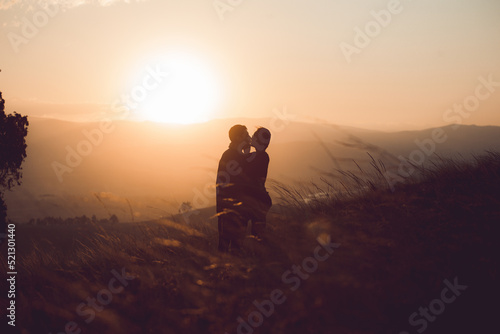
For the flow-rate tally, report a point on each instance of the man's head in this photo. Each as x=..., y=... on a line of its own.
x=238, y=134
x=261, y=139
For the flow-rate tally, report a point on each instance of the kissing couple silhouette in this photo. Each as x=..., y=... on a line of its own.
x=241, y=191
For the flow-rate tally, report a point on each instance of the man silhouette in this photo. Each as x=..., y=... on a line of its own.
x=230, y=185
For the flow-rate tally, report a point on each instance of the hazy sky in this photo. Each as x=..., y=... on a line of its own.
x=376, y=64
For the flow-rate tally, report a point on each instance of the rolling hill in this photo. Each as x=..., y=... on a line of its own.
x=146, y=170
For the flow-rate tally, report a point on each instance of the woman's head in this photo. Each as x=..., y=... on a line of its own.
x=261, y=139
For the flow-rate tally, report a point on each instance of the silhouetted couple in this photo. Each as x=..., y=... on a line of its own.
x=241, y=191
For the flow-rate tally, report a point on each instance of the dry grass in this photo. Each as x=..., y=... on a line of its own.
x=396, y=250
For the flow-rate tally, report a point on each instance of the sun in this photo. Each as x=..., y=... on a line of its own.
x=189, y=93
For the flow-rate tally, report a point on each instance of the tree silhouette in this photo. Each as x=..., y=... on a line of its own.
x=13, y=132
x=185, y=207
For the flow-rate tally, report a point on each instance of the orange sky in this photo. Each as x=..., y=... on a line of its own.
x=375, y=64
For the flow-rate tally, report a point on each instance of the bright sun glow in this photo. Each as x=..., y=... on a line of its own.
x=187, y=95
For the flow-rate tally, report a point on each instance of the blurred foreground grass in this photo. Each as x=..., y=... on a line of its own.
x=396, y=249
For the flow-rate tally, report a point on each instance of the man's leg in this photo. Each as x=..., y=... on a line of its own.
x=235, y=228
x=223, y=237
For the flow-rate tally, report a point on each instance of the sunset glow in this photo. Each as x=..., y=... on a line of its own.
x=233, y=166
x=189, y=94
x=385, y=64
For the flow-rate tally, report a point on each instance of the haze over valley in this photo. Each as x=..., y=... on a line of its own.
x=146, y=170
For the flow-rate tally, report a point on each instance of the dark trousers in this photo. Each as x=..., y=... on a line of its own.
x=232, y=227
x=233, y=217
x=258, y=208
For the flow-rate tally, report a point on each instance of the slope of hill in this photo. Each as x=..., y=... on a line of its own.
x=421, y=258
x=146, y=170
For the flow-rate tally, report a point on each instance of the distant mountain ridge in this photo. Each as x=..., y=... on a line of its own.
x=143, y=170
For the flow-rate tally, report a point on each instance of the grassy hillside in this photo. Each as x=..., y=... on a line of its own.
x=165, y=165
x=395, y=252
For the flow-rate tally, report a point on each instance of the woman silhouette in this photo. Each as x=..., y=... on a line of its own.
x=258, y=201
